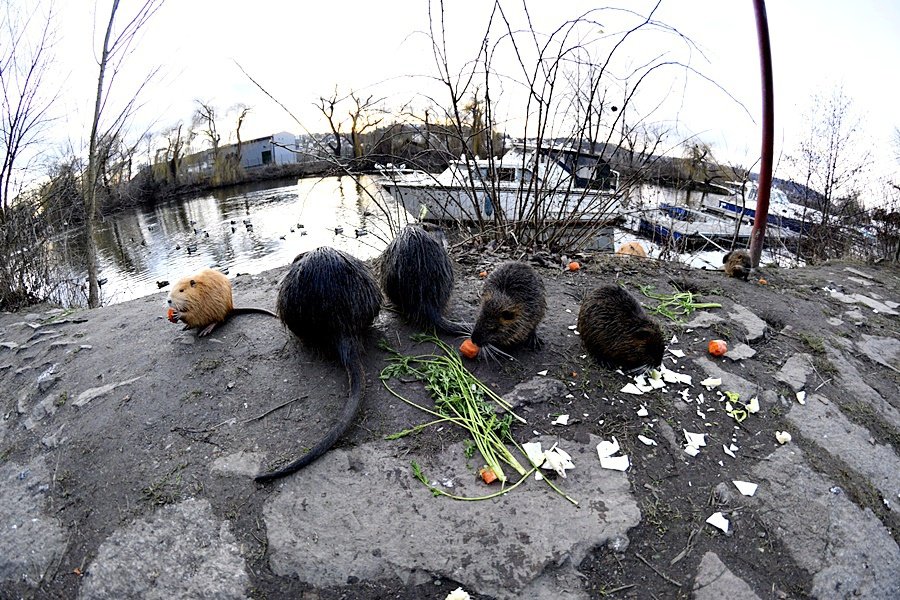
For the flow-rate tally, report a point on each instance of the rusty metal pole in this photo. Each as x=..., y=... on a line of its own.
x=768, y=133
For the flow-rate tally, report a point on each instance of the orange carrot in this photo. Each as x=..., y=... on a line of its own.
x=718, y=347
x=469, y=349
x=762, y=281
x=170, y=315
x=574, y=266
x=483, y=274
x=488, y=475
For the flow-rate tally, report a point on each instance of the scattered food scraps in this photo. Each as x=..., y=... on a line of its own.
x=469, y=349
x=783, y=437
x=801, y=397
x=630, y=388
x=558, y=460
x=718, y=521
x=717, y=347
x=605, y=451
x=753, y=405
x=676, y=352
x=642, y=411
x=561, y=420
x=745, y=487
x=488, y=475
x=674, y=377
x=646, y=441
x=543, y=373
x=574, y=266
x=728, y=451
x=711, y=382
x=615, y=463
x=458, y=594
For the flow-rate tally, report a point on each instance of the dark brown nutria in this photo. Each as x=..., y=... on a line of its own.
x=617, y=332
x=203, y=300
x=329, y=300
x=737, y=264
x=417, y=277
x=512, y=305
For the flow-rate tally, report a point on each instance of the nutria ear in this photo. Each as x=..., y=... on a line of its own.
x=725, y=258
x=193, y=283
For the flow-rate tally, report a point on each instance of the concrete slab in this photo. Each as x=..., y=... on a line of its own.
x=714, y=581
x=182, y=551
x=31, y=541
x=823, y=423
x=327, y=523
x=795, y=370
x=848, y=550
x=754, y=326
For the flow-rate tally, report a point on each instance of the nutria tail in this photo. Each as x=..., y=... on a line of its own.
x=416, y=275
x=349, y=357
x=251, y=310
x=512, y=305
x=737, y=264
x=616, y=331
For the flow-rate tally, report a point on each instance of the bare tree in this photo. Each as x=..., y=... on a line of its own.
x=830, y=160
x=327, y=107
x=115, y=50
x=240, y=111
x=205, y=118
x=26, y=44
x=362, y=118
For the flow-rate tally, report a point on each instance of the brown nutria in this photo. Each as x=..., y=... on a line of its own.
x=617, y=332
x=203, y=301
x=417, y=277
x=632, y=249
x=329, y=300
x=512, y=306
x=737, y=264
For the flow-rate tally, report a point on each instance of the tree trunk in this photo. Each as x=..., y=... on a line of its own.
x=90, y=196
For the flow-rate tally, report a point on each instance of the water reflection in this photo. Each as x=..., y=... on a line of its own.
x=244, y=230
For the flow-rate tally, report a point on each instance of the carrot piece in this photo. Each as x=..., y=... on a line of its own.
x=469, y=349
x=170, y=315
x=483, y=274
x=762, y=281
x=488, y=475
x=718, y=347
x=574, y=265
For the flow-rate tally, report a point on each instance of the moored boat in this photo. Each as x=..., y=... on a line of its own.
x=528, y=183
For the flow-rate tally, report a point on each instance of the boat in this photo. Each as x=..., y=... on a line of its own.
x=782, y=212
x=550, y=184
x=688, y=226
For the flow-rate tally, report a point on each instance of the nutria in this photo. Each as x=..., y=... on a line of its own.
x=203, y=300
x=329, y=300
x=417, y=277
x=617, y=332
x=632, y=249
x=737, y=264
x=512, y=306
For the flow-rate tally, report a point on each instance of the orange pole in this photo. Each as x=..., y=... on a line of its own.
x=768, y=133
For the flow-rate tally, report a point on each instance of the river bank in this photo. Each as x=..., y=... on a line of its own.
x=127, y=449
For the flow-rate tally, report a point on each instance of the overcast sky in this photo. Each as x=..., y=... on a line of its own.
x=302, y=50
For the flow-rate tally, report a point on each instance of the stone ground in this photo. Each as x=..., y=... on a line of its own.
x=127, y=449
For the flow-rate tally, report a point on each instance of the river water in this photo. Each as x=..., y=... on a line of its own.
x=261, y=226
x=243, y=229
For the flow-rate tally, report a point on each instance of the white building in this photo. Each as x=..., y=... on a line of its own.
x=276, y=149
